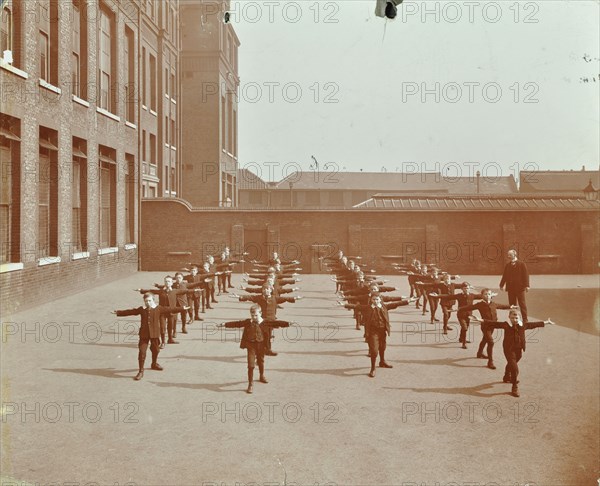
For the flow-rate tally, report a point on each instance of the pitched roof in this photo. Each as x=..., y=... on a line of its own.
x=249, y=180
x=422, y=202
x=562, y=181
x=398, y=182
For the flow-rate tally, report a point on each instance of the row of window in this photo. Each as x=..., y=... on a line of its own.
x=230, y=48
x=169, y=15
x=228, y=192
x=228, y=125
x=109, y=86
x=104, y=172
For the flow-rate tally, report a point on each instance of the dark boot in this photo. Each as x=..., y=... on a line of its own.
x=250, y=380
x=268, y=350
x=382, y=362
x=261, y=370
x=140, y=374
x=490, y=364
x=480, y=350
x=372, y=372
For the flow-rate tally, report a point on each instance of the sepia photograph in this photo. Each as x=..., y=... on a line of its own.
x=300, y=243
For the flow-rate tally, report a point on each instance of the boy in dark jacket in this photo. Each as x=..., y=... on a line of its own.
x=151, y=315
x=489, y=312
x=253, y=339
x=514, y=344
x=377, y=328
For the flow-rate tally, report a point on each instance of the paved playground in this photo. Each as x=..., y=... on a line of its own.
x=72, y=414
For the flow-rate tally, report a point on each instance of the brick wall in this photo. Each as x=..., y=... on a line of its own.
x=33, y=285
x=33, y=106
x=460, y=242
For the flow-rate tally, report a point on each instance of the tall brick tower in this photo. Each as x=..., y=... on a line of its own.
x=209, y=82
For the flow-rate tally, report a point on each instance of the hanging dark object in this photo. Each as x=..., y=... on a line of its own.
x=387, y=8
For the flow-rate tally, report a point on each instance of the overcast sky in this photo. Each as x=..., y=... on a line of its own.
x=330, y=79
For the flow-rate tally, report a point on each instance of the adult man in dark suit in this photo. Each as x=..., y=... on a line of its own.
x=151, y=316
x=516, y=279
x=253, y=338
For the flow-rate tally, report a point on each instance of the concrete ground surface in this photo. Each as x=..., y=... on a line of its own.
x=72, y=414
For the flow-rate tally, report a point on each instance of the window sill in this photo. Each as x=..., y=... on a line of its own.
x=173, y=101
x=167, y=145
x=79, y=101
x=131, y=125
x=80, y=256
x=48, y=261
x=108, y=114
x=50, y=87
x=173, y=148
x=10, y=267
x=12, y=69
x=152, y=112
x=130, y=246
x=144, y=107
x=106, y=251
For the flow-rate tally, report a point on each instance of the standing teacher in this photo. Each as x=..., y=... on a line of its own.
x=516, y=279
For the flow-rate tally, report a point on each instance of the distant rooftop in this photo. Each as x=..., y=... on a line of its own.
x=558, y=181
x=398, y=182
x=512, y=202
x=249, y=180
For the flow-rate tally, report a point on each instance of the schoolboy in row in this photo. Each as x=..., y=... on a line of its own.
x=252, y=341
x=514, y=344
x=151, y=316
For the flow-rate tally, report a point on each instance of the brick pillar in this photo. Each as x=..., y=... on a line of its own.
x=432, y=244
x=273, y=240
x=237, y=243
x=354, y=237
x=589, y=251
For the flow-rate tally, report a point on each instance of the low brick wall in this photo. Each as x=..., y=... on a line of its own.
x=550, y=242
